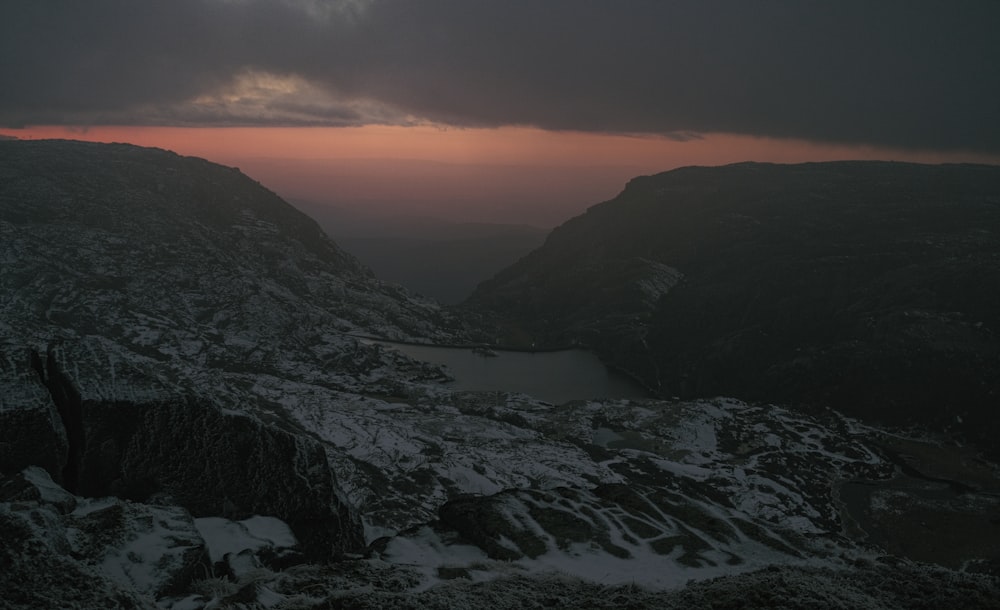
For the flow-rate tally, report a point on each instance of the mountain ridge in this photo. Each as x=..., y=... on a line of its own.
x=778, y=273
x=144, y=296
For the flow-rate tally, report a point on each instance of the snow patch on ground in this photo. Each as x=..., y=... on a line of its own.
x=223, y=536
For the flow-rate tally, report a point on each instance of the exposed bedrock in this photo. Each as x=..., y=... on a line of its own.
x=217, y=463
x=67, y=402
x=62, y=551
x=617, y=520
x=31, y=431
x=177, y=449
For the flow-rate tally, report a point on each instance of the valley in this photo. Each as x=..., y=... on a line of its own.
x=437, y=258
x=206, y=402
x=867, y=287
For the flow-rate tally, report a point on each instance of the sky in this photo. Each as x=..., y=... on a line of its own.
x=503, y=110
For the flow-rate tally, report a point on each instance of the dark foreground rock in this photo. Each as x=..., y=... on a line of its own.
x=154, y=443
x=65, y=551
x=61, y=551
x=374, y=585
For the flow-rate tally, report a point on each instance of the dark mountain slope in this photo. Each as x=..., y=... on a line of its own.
x=870, y=287
x=127, y=214
x=158, y=312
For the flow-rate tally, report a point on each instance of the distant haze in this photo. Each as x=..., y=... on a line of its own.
x=505, y=175
x=543, y=196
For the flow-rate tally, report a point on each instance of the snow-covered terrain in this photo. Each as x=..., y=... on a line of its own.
x=188, y=420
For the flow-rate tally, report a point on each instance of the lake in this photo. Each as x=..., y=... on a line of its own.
x=554, y=377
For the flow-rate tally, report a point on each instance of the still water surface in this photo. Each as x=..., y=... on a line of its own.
x=554, y=377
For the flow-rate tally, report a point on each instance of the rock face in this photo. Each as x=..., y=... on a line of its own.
x=146, y=300
x=868, y=287
x=32, y=432
x=232, y=465
x=60, y=549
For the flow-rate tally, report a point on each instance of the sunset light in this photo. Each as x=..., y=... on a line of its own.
x=495, y=304
x=469, y=173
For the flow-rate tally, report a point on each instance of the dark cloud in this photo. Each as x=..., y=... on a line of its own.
x=902, y=73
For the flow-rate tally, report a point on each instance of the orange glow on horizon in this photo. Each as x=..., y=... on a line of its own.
x=505, y=145
x=548, y=176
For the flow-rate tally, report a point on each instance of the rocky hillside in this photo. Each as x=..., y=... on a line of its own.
x=869, y=287
x=145, y=299
x=189, y=419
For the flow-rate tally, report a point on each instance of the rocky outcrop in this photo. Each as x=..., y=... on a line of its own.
x=218, y=463
x=682, y=489
x=151, y=304
x=33, y=485
x=63, y=550
x=67, y=403
x=31, y=431
x=187, y=451
x=153, y=550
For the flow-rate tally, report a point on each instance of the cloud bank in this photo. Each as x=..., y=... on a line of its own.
x=911, y=74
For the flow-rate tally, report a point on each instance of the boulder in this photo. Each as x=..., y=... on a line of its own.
x=65, y=551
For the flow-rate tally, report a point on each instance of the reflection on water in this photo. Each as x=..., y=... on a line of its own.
x=555, y=377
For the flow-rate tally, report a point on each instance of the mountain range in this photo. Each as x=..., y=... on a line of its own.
x=196, y=409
